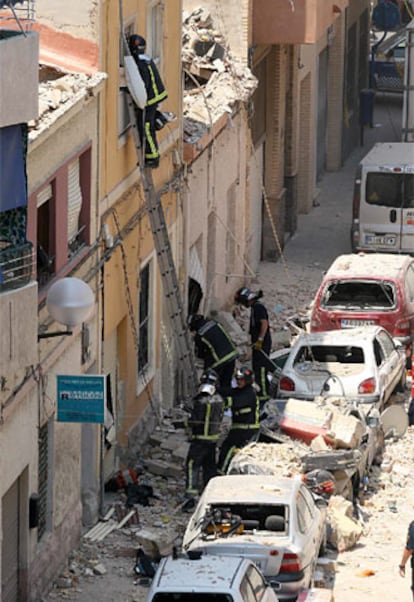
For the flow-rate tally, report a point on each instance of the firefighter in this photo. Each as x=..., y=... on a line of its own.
x=261, y=339
x=244, y=405
x=205, y=424
x=148, y=119
x=214, y=346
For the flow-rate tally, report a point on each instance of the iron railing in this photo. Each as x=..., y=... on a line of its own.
x=16, y=266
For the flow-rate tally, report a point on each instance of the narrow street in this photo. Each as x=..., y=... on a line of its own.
x=371, y=567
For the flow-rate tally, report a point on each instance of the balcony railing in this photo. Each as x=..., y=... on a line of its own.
x=16, y=266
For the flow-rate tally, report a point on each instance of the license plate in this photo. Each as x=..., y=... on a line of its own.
x=388, y=240
x=356, y=323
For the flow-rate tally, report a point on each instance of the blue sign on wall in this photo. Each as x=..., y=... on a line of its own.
x=81, y=398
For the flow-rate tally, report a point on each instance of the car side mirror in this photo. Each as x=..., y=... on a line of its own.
x=398, y=344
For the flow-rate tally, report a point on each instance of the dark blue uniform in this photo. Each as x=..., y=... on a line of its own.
x=205, y=424
x=245, y=407
x=146, y=119
x=260, y=363
x=214, y=346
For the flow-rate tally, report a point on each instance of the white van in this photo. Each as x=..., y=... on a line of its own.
x=383, y=204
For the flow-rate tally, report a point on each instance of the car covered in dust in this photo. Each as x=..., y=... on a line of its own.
x=209, y=579
x=364, y=364
x=274, y=521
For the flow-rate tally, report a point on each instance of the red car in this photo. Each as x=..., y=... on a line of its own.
x=368, y=288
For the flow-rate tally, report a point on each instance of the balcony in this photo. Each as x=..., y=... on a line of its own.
x=274, y=21
x=19, y=68
x=16, y=266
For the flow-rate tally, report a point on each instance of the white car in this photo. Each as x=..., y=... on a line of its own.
x=209, y=579
x=274, y=521
x=364, y=364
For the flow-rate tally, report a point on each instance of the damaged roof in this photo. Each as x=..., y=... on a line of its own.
x=215, y=80
x=58, y=92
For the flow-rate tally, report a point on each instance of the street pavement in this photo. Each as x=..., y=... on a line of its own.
x=369, y=571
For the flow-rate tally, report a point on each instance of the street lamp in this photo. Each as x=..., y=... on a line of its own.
x=70, y=301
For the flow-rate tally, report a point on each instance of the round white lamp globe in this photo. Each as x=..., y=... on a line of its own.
x=70, y=301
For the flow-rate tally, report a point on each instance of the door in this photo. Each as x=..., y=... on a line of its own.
x=10, y=545
x=407, y=218
x=381, y=210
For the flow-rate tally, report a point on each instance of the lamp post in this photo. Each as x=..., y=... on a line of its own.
x=70, y=302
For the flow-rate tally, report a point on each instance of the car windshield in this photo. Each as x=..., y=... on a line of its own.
x=343, y=354
x=192, y=597
x=359, y=294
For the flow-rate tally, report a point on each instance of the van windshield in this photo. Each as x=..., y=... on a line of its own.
x=390, y=190
x=359, y=295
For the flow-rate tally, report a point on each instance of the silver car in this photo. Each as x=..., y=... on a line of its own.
x=364, y=364
x=274, y=521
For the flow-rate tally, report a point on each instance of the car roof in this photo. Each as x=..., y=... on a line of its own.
x=344, y=336
x=250, y=489
x=208, y=572
x=367, y=265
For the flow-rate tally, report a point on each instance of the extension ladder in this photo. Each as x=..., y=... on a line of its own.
x=186, y=364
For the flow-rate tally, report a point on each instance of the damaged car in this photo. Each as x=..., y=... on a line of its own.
x=274, y=521
x=364, y=364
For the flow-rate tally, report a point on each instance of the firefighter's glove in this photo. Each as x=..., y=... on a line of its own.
x=258, y=345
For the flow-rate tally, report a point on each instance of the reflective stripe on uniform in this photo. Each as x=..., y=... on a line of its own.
x=153, y=154
x=158, y=96
x=228, y=457
x=190, y=484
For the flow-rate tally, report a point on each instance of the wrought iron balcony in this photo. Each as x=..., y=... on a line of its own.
x=16, y=266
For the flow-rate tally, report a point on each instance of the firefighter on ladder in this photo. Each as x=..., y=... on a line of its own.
x=214, y=346
x=205, y=426
x=151, y=119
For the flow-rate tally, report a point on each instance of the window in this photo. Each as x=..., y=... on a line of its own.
x=155, y=19
x=59, y=216
x=257, y=583
x=359, y=295
x=123, y=113
x=45, y=242
x=386, y=343
x=304, y=513
x=144, y=319
x=76, y=230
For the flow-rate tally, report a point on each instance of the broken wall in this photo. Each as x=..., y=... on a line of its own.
x=232, y=17
x=216, y=202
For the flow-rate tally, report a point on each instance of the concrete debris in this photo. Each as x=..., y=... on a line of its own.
x=58, y=92
x=215, y=80
x=281, y=459
x=345, y=530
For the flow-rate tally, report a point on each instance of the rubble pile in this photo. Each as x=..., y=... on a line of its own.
x=215, y=80
x=58, y=91
x=281, y=459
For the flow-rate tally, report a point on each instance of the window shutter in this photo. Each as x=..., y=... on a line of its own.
x=74, y=199
x=45, y=195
